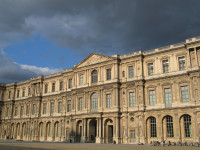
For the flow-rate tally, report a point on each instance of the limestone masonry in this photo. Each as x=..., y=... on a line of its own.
x=134, y=98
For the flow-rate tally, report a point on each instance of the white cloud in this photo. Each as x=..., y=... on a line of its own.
x=39, y=70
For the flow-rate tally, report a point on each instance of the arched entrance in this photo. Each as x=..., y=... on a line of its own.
x=92, y=130
x=79, y=130
x=108, y=131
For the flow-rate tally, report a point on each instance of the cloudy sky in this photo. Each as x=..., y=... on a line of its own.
x=39, y=37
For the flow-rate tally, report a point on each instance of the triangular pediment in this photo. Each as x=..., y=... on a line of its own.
x=93, y=58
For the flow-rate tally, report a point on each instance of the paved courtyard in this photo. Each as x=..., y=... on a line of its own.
x=17, y=145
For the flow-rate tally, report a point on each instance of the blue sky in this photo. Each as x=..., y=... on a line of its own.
x=46, y=36
x=42, y=52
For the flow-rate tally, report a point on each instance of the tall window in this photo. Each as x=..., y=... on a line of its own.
x=9, y=94
x=108, y=74
x=169, y=125
x=80, y=103
x=27, y=110
x=42, y=129
x=46, y=88
x=153, y=132
x=21, y=111
x=152, y=98
x=130, y=72
x=58, y=129
x=131, y=99
x=168, y=97
x=70, y=83
x=18, y=93
x=44, y=108
x=33, y=110
x=94, y=76
x=52, y=109
x=29, y=91
x=187, y=126
x=23, y=92
x=184, y=93
x=7, y=110
x=150, y=69
x=94, y=101
x=49, y=129
x=81, y=79
x=181, y=61
x=68, y=106
x=61, y=85
x=165, y=66
x=108, y=100
x=59, y=107
x=16, y=111
x=53, y=87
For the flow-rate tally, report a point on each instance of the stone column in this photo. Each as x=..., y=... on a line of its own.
x=117, y=128
x=188, y=58
x=195, y=127
x=99, y=134
x=196, y=58
x=159, y=127
x=176, y=127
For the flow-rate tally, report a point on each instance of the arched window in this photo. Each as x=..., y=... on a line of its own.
x=187, y=125
x=169, y=125
x=94, y=76
x=94, y=101
x=49, y=129
x=153, y=127
x=57, y=129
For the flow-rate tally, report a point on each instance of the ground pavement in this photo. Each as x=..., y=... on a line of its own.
x=19, y=145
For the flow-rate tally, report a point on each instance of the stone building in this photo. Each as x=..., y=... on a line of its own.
x=139, y=97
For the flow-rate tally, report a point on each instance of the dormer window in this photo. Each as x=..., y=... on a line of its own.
x=94, y=76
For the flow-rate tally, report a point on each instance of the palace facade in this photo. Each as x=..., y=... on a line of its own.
x=139, y=97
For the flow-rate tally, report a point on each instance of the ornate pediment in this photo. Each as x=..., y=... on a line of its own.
x=93, y=59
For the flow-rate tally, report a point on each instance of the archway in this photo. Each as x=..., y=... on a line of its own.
x=79, y=131
x=23, y=135
x=185, y=127
x=18, y=131
x=151, y=128
x=41, y=131
x=108, y=131
x=92, y=130
x=12, y=131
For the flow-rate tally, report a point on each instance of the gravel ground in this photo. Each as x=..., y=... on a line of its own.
x=17, y=145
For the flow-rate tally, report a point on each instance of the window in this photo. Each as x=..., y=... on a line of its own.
x=153, y=132
x=108, y=74
x=33, y=110
x=150, y=69
x=49, y=129
x=94, y=76
x=68, y=106
x=184, y=93
x=16, y=111
x=18, y=93
x=42, y=129
x=9, y=94
x=21, y=112
x=27, y=110
x=59, y=107
x=81, y=79
x=53, y=87
x=94, y=101
x=131, y=99
x=80, y=103
x=187, y=126
x=58, y=129
x=46, y=88
x=70, y=83
x=108, y=100
x=61, y=85
x=23, y=92
x=44, y=108
x=130, y=72
x=168, y=97
x=123, y=74
x=152, y=99
x=169, y=125
x=52, y=109
x=7, y=110
x=181, y=61
x=165, y=66
x=29, y=91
